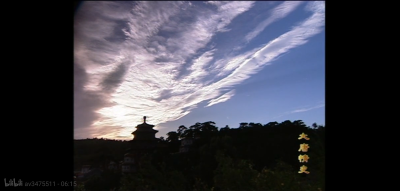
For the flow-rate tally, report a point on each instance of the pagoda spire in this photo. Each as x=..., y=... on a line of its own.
x=144, y=119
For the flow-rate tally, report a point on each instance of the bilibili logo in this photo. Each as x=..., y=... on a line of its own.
x=12, y=182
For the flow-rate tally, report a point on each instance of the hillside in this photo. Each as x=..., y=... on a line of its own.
x=218, y=159
x=96, y=151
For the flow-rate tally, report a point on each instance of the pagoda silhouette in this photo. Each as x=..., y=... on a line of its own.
x=144, y=142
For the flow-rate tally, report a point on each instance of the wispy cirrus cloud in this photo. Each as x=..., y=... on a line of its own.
x=223, y=98
x=239, y=68
x=160, y=59
x=279, y=12
x=307, y=108
x=304, y=109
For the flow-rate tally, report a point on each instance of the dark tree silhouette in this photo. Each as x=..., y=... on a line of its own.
x=252, y=156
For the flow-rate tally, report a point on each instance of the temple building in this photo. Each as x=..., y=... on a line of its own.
x=144, y=141
x=128, y=164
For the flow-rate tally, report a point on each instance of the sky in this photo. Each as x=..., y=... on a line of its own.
x=179, y=63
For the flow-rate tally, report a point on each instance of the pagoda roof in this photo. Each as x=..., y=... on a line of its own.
x=145, y=130
x=145, y=125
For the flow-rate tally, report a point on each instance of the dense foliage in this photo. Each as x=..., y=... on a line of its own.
x=250, y=157
x=97, y=152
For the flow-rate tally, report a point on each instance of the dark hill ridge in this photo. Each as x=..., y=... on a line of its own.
x=217, y=158
x=96, y=152
x=262, y=144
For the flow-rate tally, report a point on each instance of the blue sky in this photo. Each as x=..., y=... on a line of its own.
x=185, y=62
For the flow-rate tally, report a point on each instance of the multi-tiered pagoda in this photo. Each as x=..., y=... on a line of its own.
x=144, y=141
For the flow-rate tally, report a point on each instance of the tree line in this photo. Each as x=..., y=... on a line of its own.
x=253, y=156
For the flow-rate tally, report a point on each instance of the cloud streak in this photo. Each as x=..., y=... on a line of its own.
x=168, y=60
x=305, y=109
x=277, y=13
x=223, y=98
